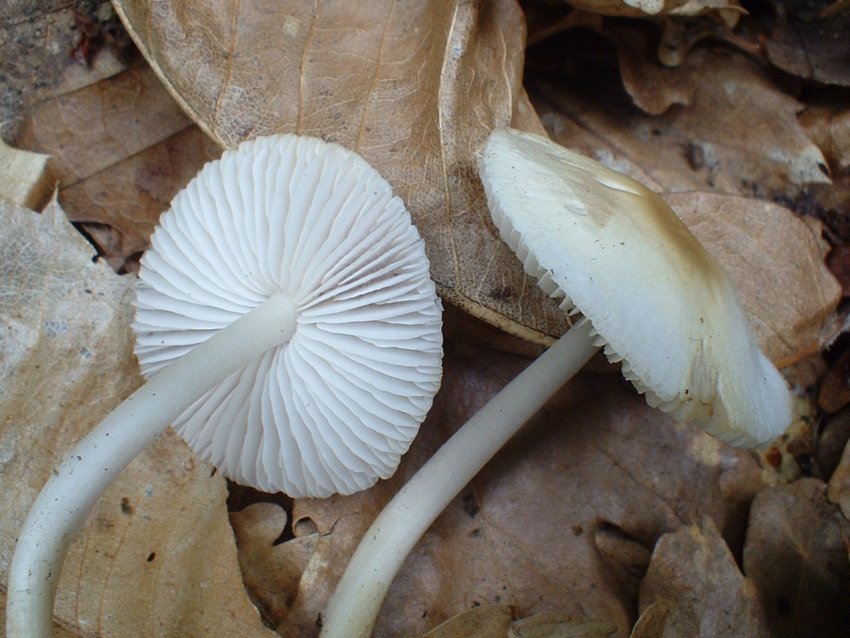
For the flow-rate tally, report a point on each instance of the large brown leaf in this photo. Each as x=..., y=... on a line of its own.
x=563, y=519
x=415, y=87
x=157, y=555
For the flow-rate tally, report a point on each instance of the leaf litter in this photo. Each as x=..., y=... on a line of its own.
x=573, y=522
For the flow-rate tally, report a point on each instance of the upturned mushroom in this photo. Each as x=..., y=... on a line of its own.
x=289, y=329
x=650, y=297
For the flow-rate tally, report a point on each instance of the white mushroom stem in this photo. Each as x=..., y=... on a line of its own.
x=75, y=486
x=354, y=606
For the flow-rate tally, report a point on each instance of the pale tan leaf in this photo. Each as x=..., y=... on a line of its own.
x=157, y=555
x=830, y=130
x=26, y=179
x=556, y=625
x=694, y=577
x=789, y=300
x=486, y=621
x=415, y=87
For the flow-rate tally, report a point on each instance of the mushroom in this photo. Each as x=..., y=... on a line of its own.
x=290, y=331
x=651, y=298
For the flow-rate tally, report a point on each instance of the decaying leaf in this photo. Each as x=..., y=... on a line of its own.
x=740, y=133
x=485, y=621
x=653, y=86
x=26, y=179
x=415, y=87
x=271, y=572
x=631, y=8
x=693, y=578
x=838, y=488
x=525, y=533
x=753, y=239
x=796, y=554
x=157, y=556
x=830, y=130
x=121, y=148
x=555, y=625
x=809, y=42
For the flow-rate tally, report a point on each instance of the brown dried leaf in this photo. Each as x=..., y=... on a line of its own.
x=271, y=573
x=806, y=43
x=694, y=581
x=121, y=148
x=157, y=555
x=533, y=531
x=838, y=488
x=830, y=130
x=740, y=133
x=494, y=621
x=796, y=554
x=486, y=621
x=653, y=86
x=632, y=8
x=414, y=87
x=555, y=625
x=789, y=301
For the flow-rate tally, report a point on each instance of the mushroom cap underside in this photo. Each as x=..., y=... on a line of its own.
x=612, y=249
x=334, y=408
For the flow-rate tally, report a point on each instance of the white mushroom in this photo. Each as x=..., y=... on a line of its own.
x=291, y=331
x=650, y=295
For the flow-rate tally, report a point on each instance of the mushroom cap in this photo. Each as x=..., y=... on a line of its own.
x=612, y=249
x=334, y=408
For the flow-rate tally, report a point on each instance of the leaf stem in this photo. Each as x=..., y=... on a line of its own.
x=353, y=609
x=63, y=504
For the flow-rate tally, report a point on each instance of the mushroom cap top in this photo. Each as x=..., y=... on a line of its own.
x=334, y=408
x=614, y=250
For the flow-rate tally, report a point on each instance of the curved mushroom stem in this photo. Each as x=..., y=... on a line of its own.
x=75, y=486
x=354, y=606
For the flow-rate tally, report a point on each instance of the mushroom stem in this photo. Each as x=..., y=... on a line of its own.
x=75, y=486
x=354, y=607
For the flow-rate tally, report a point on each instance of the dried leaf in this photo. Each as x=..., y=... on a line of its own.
x=121, y=148
x=838, y=489
x=796, y=554
x=694, y=576
x=414, y=87
x=26, y=179
x=555, y=625
x=526, y=532
x=753, y=240
x=486, y=621
x=740, y=133
x=494, y=621
x=270, y=572
x=830, y=130
x=653, y=86
x=806, y=43
x=632, y=8
x=36, y=39
x=157, y=555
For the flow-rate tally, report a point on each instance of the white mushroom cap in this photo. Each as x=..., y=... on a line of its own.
x=333, y=409
x=613, y=250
